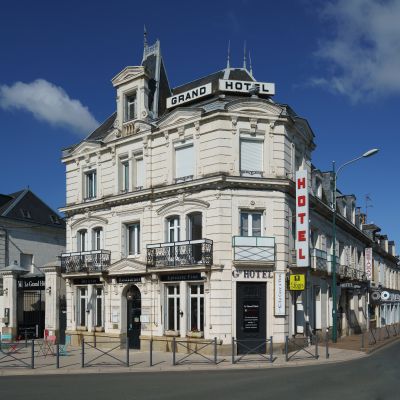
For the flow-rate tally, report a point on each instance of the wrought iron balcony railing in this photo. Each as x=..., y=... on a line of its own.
x=85, y=261
x=178, y=254
x=254, y=248
x=319, y=260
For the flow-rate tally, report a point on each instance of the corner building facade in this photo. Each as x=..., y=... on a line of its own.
x=179, y=211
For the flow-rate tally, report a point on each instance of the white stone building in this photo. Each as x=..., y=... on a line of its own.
x=31, y=236
x=180, y=214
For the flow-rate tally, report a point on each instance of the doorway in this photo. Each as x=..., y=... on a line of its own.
x=251, y=317
x=134, y=310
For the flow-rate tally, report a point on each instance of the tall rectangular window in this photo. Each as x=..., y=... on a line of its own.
x=250, y=223
x=130, y=107
x=172, y=308
x=251, y=157
x=196, y=321
x=125, y=176
x=82, y=244
x=173, y=229
x=99, y=307
x=184, y=163
x=82, y=306
x=139, y=172
x=133, y=234
x=90, y=184
x=97, y=239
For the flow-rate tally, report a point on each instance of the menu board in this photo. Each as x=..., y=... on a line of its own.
x=251, y=316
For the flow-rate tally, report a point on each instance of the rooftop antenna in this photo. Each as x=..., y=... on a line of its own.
x=228, y=58
x=244, y=55
x=251, y=67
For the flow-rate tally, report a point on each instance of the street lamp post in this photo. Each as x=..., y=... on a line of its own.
x=335, y=174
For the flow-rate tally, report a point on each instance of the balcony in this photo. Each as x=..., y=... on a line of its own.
x=254, y=249
x=180, y=254
x=85, y=261
x=352, y=273
x=319, y=260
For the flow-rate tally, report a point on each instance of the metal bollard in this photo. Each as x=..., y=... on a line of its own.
x=151, y=352
x=33, y=354
x=215, y=351
x=233, y=350
x=316, y=347
x=83, y=354
x=127, y=351
x=287, y=347
x=26, y=340
x=327, y=344
x=58, y=355
x=173, y=351
x=271, y=350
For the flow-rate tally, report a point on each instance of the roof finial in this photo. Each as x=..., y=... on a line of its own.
x=251, y=66
x=244, y=55
x=144, y=37
x=228, y=58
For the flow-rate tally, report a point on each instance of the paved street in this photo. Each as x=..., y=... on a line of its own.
x=375, y=377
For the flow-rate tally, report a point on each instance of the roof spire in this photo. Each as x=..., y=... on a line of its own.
x=244, y=55
x=251, y=66
x=228, y=58
x=144, y=37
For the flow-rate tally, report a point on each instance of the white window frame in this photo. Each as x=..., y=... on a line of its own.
x=90, y=184
x=177, y=147
x=200, y=297
x=79, y=306
x=250, y=221
x=97, y=238
x=125, y=175
x=136, y=240
x=176, y=297
x=127, y=103
x=96, y=298
x=252, y=173
x=175, y=228
x=82, y=245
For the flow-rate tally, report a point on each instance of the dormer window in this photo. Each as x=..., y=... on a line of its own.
x=130, y=106
x=26, y=213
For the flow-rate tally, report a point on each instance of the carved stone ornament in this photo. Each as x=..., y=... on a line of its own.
x=166, y=136
x=253, y=125
x=197, y=127
x=181, y=133
x=234, y=125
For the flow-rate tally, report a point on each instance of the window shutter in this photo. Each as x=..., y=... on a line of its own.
x=139, y=172
x=251, y=156
x=184, y=157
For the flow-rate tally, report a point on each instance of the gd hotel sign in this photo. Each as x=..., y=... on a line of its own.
x=302, y=220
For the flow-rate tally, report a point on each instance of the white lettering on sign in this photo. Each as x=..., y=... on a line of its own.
x=280, y=293
x=302, y=220
x=189, y=95
x=368, y=263
x=251, y=274
x=226, y=85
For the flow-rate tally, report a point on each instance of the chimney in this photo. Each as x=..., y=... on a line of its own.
x=392, y=248
x=383, y=241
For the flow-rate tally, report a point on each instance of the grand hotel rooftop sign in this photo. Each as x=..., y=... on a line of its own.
x=224, y=85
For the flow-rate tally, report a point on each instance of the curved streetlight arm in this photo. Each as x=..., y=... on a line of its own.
x=347, y=163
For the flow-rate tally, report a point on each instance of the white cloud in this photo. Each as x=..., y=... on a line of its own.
x=363, y=51
x=49, y=103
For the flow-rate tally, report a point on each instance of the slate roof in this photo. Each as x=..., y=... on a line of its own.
x=26, y=206
x=103, y=129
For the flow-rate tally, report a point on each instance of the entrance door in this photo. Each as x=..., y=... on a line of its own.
x=30, y=313
x=251, y=317
x=299, y=313
x=134, y=309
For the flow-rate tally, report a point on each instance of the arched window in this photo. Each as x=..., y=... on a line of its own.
x=173, y=228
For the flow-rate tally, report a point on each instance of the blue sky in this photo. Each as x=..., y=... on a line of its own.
x=335, y=62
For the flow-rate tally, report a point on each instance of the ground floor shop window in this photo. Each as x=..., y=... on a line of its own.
x=196, y=308
x=172, y=308
x=82, y=306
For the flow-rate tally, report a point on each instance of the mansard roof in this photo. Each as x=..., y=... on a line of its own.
x=25, y=206
x=237, y=74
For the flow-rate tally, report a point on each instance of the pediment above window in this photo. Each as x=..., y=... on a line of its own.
x=86, y=147
x=181, y=203
x=89, y=221
x=179, y=117
x=127, y=266
x=253, y=106
x=127, y=74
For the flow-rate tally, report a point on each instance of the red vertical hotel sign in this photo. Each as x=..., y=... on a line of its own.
x=302, y=220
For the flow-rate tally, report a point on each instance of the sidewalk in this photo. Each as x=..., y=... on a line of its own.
x=115, y=362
